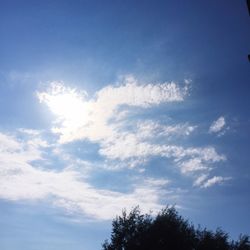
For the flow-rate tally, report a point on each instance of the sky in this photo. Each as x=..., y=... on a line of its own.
x=106, y=105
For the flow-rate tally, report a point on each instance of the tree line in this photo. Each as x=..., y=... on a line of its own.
x=167, y=231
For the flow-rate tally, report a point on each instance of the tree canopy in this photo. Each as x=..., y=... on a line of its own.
x=167, y=230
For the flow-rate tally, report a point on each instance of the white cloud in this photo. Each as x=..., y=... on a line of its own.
x=204, y=182
x=128, y=146
x=143, y=95
x=215, y=180
x=157, y=182
x=15, y=151
x=96, y=120
x=20, y=180
x=217, y=125
x=29, y=131
x=198, y=182
x=104, y=119
x=90, y=119
x=149, y=129
x=193, y=165
x=8, y=142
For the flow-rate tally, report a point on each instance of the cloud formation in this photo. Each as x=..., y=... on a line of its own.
x=105, y=119
x=91, y=119
x=217, y=125
x=21, y=180
x=215, y=180
x=112, y=119
x=204, y=181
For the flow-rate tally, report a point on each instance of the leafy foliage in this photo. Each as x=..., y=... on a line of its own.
x=167, y=230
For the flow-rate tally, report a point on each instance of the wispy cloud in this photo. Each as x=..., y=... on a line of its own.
x=104, y=119
x=217, y=125
x=111, y=119
x=82, y=118
x=193, y=165
x=204, y=182
x=201, y=179
x=29, y=131
x=149, y=129
x=129, y=147
x=215, y=180
x=20, y=180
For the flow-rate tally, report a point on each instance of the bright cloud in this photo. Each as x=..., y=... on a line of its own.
x=198, y=182
x=215, y=180
x=155, y=129
x=143, y=95
x=91, y=119
x=123, y=142
x=217, y=125
x=205, y=182
x=193, y=165
x=128, y=147
x=20, y=180
x=105, y=119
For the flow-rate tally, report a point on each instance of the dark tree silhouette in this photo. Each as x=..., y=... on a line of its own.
x=166, y=231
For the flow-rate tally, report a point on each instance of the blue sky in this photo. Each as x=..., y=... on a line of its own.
x=106, y=105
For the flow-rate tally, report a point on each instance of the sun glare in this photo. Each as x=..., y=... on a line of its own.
x=65, y=103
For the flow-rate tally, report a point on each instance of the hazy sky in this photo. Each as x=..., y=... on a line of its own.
x=106, y=105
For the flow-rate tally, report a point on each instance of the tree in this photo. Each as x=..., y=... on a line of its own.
x=166, y=230
x=243, y=243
